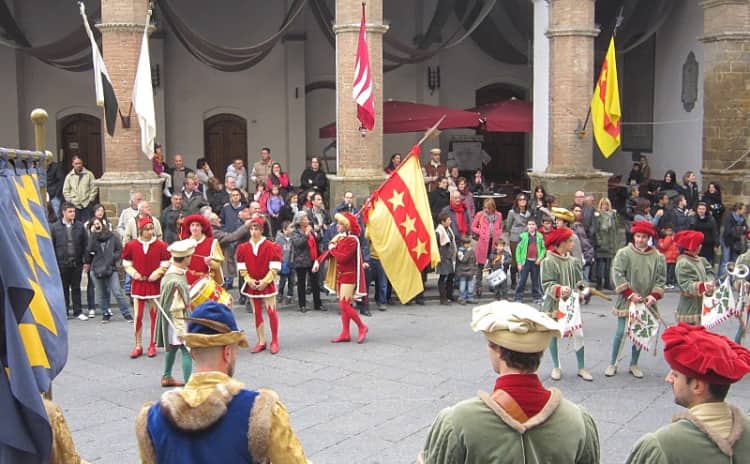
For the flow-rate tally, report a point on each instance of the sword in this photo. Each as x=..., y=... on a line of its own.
x=164, y=313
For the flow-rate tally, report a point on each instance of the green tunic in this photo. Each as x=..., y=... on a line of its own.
x=691, y=271
x=477, y=431
x=687, y=441
x=557, y=271
x=171, y=284
x=642, y=272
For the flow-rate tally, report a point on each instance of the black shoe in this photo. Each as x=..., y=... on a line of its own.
x=303, y=309
x=321, y=308
x=390, y=302
x=365, y=312
x=107, y=317
x=419, y=301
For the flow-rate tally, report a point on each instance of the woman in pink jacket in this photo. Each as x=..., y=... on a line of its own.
x=488, y=226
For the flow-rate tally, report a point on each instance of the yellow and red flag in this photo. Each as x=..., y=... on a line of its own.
x=605, y=105
x=400, y=227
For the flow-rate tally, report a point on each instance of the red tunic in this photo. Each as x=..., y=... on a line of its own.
x=198, y=268
x=145, y=257
x=257, y=259
x=349, y=265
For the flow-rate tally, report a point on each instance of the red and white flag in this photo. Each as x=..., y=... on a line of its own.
x=362, y=87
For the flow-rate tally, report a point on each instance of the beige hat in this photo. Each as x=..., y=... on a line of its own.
x=515, y=326
x=564, y=214
x=182, y=248
x=435, y=151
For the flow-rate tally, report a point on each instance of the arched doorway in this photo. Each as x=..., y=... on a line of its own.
x=225, y=138
x=81, y=135
x=507, y=149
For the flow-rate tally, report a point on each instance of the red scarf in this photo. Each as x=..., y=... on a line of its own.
x=313, y=246
x=460, y=218
x=527, y=390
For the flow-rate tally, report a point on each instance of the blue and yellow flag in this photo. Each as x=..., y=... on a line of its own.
x=33, y=320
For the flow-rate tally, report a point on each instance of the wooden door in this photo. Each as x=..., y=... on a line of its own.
x=225, y=138
x=81, y=135
x=507, y=149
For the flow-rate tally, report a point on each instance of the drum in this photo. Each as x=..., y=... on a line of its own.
x=206, y=289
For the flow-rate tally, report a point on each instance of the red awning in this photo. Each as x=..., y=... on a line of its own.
x=400, y=117
x=507, y=116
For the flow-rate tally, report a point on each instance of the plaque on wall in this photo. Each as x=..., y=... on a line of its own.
x=638, y=98
x=689, y=82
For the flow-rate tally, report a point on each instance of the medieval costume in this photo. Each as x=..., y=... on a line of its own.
x=694, y=277
x=214, y=418
x=521, y=421
x=207, y=247
x=710, y=431
x=346, y=274
x=560, y=273
x=635, y=272
x=258, y=262
x=145, y=260
x=175, y=308
x=743, y=260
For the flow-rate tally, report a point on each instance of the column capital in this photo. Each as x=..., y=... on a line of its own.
x=572, y=32
x=124, y=27
x=706, y=4
x=725, y=36
x=354, y=27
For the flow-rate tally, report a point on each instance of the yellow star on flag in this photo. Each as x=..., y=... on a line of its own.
x=30, y=230
x=397, y=200
x=420, y=249
x=408, y=225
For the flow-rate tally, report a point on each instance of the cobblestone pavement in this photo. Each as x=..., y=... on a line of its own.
x=370, y=403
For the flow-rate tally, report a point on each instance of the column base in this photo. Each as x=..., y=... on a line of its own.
x=564, y=186
x=115, y=188
x=734, y=184
x=360, y=186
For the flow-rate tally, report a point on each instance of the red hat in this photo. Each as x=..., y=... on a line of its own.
x=557, y=236
x=349, y=221
x=185, y=230
x=689, y=239
x=644, y=227
x=699, y=354
x=144, y=221
x=258, y=220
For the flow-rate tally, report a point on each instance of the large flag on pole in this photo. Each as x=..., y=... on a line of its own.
x=143, y=97
x=362, y=87
x=400, y=227
x=105, y=93
x=605, y=105
x=33, y=323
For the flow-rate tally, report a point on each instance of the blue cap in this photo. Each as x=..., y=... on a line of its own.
x=218, y=314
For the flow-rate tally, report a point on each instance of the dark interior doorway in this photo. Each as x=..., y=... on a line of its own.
x=225, y=138
x=81, y=135
x=507, y=149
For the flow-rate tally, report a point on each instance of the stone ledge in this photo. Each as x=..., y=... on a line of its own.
x=726, y=36
x=572, y=32
x=354, y=27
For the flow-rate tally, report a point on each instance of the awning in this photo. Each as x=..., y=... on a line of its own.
x=400, y=117
x=507, y=116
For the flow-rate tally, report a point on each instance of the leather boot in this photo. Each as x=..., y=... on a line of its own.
x=344, y=335
x=261, y=345
x=357, y=320
x=273, y=321
x=152, y=340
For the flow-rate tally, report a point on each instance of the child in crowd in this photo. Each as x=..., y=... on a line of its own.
x=500, y=259
x=273, y=206
x=669, y=249
x=157, y=164
x=546, y=225
x=261, y=196
x=466, y=265
x=286, y=275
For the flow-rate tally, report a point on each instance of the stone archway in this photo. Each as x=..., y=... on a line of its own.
x=225, y=138
x=80, y=135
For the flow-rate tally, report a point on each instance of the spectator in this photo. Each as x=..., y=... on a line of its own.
x=274, y=204
x=433, y=171
x=102, y=260
x=286, y=273
x=518, y=215
x=500, y=259
x=488, y=227
x=313, y=177
x=230, y=212
x=290, y=208
x=192, y=197
x=55, y=180
x=668, y=247
x=261, y=168
x=446, y=269
x=131, y=230
x=460, y=219
x=645, y=169
x=669, y=185
x=587, y=208
x=642, y=212
x=319, y=218
x=238, y=171
x=587, y=246
x=605, y=223
x=690, y=190
x=346, y=205
x=663, y=210
x=171, y=218
x=681, y=216
x=547, y=225
x=733, y=238
x=478, y=185
x=79, y=189
x=216, y=194
x=160, y=169
x=538, y=204
x=305, y=252
x=228, y=242
x=261, y=195
x=453, y=175
x=466, y=269
x=631, y=206
x=439, y=198
x=278, y=178
x=703, y=222
x=636, y=176
x=69, y=242
x=203, y=173
x=463, y=188
x=101, y=215
x=179, y=173
x=529, y=254
x=712, y=198
x=393, y=163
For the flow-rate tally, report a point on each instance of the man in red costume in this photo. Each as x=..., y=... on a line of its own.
x=145, y=260
x=207, y=259
x=346, y=273
x=258, y=262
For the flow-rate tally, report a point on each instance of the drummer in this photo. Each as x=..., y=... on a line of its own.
x=207, y=259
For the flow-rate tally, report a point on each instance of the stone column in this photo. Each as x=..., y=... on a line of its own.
x=359, y=158
x=726, y=100
x=125, y=167
x=571, y=34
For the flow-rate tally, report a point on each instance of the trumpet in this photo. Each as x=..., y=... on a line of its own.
x=585, y=291
x=738, y=271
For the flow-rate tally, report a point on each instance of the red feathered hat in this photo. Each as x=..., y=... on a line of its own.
x=349, y=221
x=644, y=227
x=689, y=239
x=557, y=236
x=144, y=221
x=699, y=354
x=185, y=230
